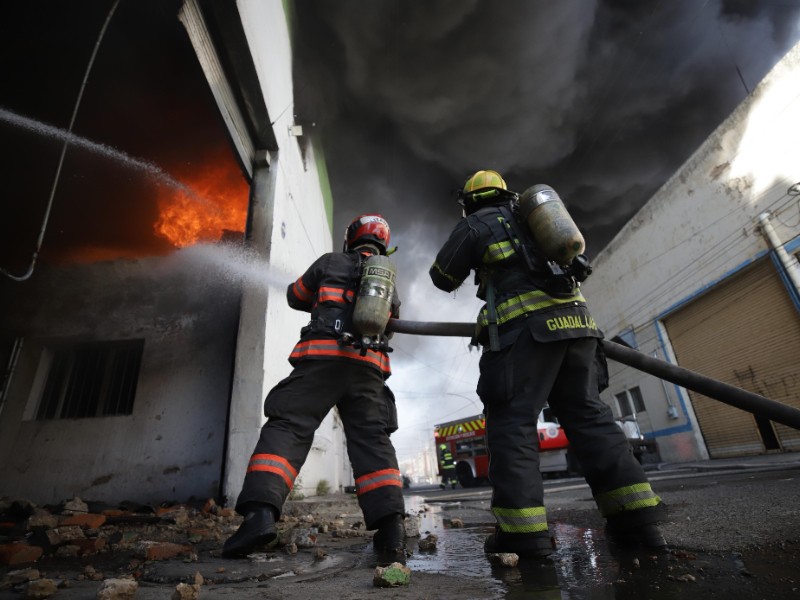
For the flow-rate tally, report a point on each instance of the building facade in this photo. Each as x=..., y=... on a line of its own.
x=143, y=379
x=706, y=276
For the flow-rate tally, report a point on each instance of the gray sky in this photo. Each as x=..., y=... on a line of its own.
x=603, y=100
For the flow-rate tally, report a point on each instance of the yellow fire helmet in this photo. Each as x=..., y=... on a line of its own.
x=484, y=185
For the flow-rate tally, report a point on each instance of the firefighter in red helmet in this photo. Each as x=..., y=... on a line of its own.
x=540, y=344
x=329, y=371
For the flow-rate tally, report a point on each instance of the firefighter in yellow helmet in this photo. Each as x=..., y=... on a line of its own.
x=540, y=344
x=447, y=466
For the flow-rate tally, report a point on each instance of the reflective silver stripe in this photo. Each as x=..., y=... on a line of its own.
x=382, y=478
x=630, y=497
x=271, y=463
x=521, y=520
x=332, y=348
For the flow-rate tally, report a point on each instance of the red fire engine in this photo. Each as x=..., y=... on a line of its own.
x=466, y=440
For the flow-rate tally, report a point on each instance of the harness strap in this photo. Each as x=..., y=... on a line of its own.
x=491, y=313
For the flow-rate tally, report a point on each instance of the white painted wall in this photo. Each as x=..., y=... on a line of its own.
x=700, y=227
x=296, y=231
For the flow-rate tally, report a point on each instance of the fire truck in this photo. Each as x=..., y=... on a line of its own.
x=466, y=440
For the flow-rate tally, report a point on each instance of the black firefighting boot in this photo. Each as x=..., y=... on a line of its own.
x=524, y=545
x=391, y=535
x=257, y=529
x=638, y=529
x=647, y=537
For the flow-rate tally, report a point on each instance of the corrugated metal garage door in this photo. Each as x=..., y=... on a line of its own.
x=745, y=332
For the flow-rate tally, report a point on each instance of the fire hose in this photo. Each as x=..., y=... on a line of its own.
x=711, y=388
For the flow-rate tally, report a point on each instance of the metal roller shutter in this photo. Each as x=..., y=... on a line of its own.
x=746, y=332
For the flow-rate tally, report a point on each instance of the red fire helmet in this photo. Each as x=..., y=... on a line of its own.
x=371, y=229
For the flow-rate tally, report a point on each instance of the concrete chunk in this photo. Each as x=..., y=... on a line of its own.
x=394, y=575
x=117, y=589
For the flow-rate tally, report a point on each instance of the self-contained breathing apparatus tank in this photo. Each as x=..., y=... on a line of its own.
x=373, y=303
x=551, y=225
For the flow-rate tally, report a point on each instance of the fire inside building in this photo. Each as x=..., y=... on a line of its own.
x=133, y=325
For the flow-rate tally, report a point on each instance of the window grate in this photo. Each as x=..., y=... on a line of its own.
x=630, y=402
x=625, y=409
x=91, y=380
x=638, y=401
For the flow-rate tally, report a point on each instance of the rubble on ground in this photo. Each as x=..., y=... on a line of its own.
x=47, y=548
x=428, y=542
x=117, y=589
x=503, y=559
x=394, y=575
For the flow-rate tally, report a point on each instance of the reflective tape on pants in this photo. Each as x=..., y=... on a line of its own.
x=521, y=520
x=630, y=497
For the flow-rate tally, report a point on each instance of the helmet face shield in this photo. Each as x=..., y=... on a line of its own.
x=367, y=229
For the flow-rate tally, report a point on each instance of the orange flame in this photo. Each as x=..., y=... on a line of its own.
x=217, y=203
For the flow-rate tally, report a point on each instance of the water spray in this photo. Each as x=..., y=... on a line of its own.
x=238, y=265
x=148, y=168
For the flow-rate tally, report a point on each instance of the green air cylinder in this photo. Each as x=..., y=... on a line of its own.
x=553, y=228
x=374, y=299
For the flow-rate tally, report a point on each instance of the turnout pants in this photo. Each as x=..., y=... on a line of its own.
x=514, y=385
x=296, y=407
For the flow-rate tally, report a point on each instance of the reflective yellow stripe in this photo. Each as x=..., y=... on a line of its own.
x=521, y=520
x=630, y=497
x=445, y=275
x=469, y=426
x=525, y=303
x=499, y=251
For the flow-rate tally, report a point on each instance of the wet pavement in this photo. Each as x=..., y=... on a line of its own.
x=734, y=526
x=586, y=565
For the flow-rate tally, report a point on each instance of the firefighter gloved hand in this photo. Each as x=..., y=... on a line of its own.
x=580, y=268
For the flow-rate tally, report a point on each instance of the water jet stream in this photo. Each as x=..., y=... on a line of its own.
x=50, y=131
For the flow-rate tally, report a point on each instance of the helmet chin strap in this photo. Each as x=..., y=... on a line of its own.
x=366, y=245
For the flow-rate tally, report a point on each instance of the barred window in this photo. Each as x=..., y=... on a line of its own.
x=96, y=379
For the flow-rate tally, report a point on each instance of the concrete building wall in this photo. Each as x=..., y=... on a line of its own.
x=291, y=230
x=700, y=228
x=170, y=447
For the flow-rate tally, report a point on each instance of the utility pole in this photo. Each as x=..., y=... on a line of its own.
x=789, y=263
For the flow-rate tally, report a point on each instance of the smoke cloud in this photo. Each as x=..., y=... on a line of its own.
x=603, y=100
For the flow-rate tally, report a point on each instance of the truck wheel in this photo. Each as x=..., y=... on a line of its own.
x=464, y=475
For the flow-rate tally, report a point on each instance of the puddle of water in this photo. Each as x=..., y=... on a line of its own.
x=459, y=551
x=583, y=566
